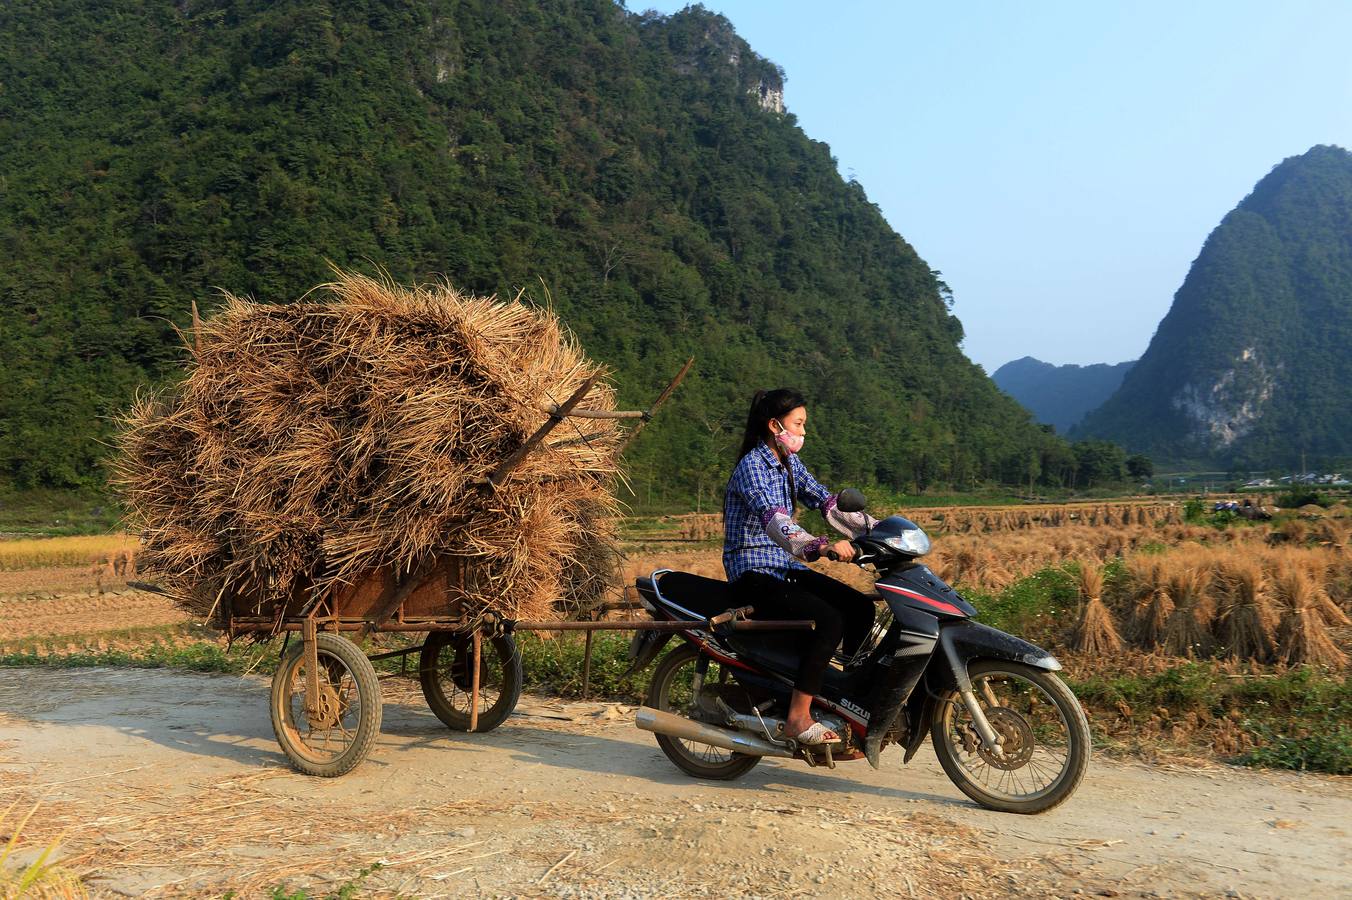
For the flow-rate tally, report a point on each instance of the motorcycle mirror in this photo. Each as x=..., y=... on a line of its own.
x=851, y=500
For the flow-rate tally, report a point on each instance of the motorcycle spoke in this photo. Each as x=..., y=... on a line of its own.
x=681, y=700
x=1034, y=737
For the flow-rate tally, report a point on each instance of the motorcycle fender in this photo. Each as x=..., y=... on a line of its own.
x=919, y=714
x=972, y=640
x=643, y=649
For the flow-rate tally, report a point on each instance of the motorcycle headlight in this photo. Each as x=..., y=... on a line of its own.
x=912, y=542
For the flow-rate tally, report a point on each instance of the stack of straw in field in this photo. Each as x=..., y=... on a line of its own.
x=313, y=443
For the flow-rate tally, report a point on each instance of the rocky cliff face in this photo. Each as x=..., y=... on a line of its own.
x=770, y=94
x=719, y=51
x=1252, y=362
x=1226, y=410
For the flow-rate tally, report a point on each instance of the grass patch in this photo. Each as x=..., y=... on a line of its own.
x=555, y=666
x=1036, y=608
x=40, y=878
x=1324, y=751
x=51, y=512
x=1297, y=719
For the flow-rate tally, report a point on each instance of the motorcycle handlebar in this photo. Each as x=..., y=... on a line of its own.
x=835, y=557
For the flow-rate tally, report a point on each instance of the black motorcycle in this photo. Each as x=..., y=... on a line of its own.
x=1007, y=731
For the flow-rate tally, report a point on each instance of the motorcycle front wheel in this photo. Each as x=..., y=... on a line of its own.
x=672, y=690
x=1045, y=739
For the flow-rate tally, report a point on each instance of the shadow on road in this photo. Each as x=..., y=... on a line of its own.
x=600, y=755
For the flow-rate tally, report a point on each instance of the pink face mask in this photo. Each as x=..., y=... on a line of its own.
x=791, y=443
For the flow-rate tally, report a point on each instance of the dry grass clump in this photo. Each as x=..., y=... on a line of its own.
x=1151, y=603
x=1247, y=621
x=995, y=520
x=1308, y=613
x=1096, y=632
x=40, y=879
x=1332, y=532
x=314, y=443
x=1188, y=631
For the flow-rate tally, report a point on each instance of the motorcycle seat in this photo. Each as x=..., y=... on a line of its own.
x=778, y=650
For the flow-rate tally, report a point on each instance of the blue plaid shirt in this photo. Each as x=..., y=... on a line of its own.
x=758, y=485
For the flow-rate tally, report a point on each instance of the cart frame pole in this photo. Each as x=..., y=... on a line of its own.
x=586, y=665
x=474, y=683
x=309, y=636
x=650, y=411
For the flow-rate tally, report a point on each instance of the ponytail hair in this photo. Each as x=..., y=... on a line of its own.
x=767, y=405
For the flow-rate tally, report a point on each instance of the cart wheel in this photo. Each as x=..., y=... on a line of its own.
x=340, y=734
x=447, y=679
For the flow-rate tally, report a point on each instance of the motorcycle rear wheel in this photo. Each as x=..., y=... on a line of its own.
x=670, y=691
x=1046, y=739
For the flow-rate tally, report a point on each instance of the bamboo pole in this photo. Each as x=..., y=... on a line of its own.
x=661, y=398
x=500, y=473
x=553, y=409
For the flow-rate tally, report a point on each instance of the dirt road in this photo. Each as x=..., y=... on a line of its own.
x=171, y=784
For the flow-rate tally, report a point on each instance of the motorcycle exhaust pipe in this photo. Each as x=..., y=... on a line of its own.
x=659, y=722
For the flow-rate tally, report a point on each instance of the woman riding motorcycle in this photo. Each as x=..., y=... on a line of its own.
x=762, y=546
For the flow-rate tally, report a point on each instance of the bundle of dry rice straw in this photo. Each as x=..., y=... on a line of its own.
x=314, y=443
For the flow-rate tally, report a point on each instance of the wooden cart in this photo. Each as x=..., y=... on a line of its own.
x=325, y=699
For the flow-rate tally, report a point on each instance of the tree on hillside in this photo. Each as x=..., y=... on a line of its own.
x=1140, y=466
x=1098, y=462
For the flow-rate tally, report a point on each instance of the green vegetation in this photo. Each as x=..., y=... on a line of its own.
x=1298, y=497
x=1249, y=368
x=618, y=166
x=1298, y=718
x=39, y=878
x=555, y=665
x=44, y=511
x=1197, y=511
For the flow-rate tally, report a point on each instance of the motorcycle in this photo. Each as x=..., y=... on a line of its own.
x=1007, y=731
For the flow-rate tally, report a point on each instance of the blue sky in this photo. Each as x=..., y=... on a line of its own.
x=1060, y=163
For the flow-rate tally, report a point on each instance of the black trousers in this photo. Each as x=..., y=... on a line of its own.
x=838, y=609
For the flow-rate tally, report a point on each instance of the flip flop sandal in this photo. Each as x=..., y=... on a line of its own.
x=817, y=735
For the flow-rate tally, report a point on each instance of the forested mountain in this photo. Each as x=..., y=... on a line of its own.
x=635, y=171
x=1251, y=366
x=1059, y=395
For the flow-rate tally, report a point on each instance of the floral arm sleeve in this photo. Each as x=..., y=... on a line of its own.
x=781, y=527
x=850, y=524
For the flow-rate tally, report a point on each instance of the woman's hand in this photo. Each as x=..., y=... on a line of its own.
x=843, y=550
